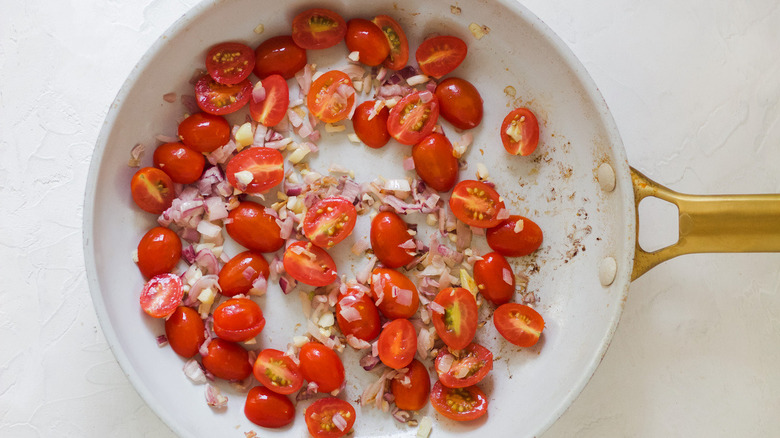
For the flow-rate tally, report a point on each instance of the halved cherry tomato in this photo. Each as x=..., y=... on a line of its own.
x=265, y=166
x=388, y=233
x=331, y=97
x=277, y=372
x=414, y=395
x=462, y=368
x=371, y=130
x=230, y=63
x=396, y=38
x=459, y=404
x=395, y=295
x=329, y=221
x=185, y=331
x=368, y=40
x=158, y=252
x=440, y=55
x=495, y=279
x=518, y=324
x=397, y=344
x=515, y=237
x=253, y=228
x=266, y=408
x=413, y=117
x=182, y=164
x=279, y=56
x=460, y=103
x=357, y=315
x=216, y=98
x=458, y=324
x=227, y=360
x=240, y=272
x=152, y=190
x=318, y=29
x=309, y=264
x=271, y=110
x=520, y=132
x=476, y=204
x=321, y=365
x=238, y=320
x=204, y=132
x=162, y=294
x=320, y=418
x=435, y=162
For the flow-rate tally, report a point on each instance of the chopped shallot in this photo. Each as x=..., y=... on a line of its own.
x=214, y=397
x=194, y=371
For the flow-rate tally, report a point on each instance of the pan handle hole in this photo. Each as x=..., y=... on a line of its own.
x=659, y=224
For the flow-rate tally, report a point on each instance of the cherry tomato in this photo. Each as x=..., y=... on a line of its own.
x=414, y=396
x=271, y=110
x=440, y=55
x=331, y=97
x=158, y=252
x=216, y=98
x=182, y=164
x=391, y=291
x=476, y=204
x=371, y=130
x=518, y=324
x=152, y=190
x=279, y=56
x=459, y=404
x=309, y=264
x=277, y=372
x=321, y=365
x=495, y=279
x=266, y=408
x=412, y=119
x=388, y=233
x=397, y=344
x=329, y=221
x=227, y=360
x=320, y=418
x=460, y=103
x=162, y=294
x=318, y=29
x=368, y=40
x=435, y=162
x=515, y=237
x=458, y=324
x=459, y=369
x=185, y=331
x=238, y=320
x=265, y=165
x=230, y=63
x=204, y=132
x=520, y=132
x=238, y=274
x=396, y=38
x=357, y=315
x=253, y=228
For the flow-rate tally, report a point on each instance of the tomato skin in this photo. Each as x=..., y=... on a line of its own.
x=471, y=400
x=522, y=123
x=152, y=190
x=318, y=29
x=518, y=324
x=215, y=98
x=185, y=331
x=457, y=326
x=181, y=163
x=490, y=273
x=383, y=281
x=161, y=295
x=504, y=240
x=319, y=417
x=415, y=396
x=438, y=56
x=271, y=110
x=238, y=320
x=329, y=221
x=396, y=39
x=397, y=343
x=321, y=365
x=277, y=372
x=369, y=325
x=309, y=264
x=411, y=119
x=227, y=360
x=266, y=408
x=204, y=132
x=388, y=232
x=435, y=162
x=372, y=132
x=475, y=358
x=279, y=56
x=460, y=103
x=159, y=252
x=232, y=277
x=230, y=63
x=324, y=99
x=253, y=228
x=476, y=203
x=265, y=164
x=368, y=40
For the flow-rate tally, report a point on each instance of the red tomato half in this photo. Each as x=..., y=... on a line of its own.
x=238, y=274
x=331, y=97
x=414, y=395
x=266, y=408
x=271, y=110
x=204, y=132
x=395, y=295
x=518, y=324
x=357, y=315
x=320, y=418
x=185, y=331
x=371, y=130
x=515, y=237
x=457, y=325
x=388, y=233
x=318, y=29
x=440, y=55
x=520, y=132
x=435, y=162
x=265, y=165
x=321, y=365
x=495, y=279
x=412, y=119
x=397, y=344
x=309, y=264
x=476, y=204
x=162, y=294
x=227, y=360
x=216, y=98
x=368, y=40
x=465, y=367
x=329, y=221
x=238, y=320
x=152, y=190
x=253, y=228
x=396, y=38
x=460, y=103
x=182, y=164
x=230, y=63
x=459, y=404
x=158, y=252
x=279, y=56
x=277, y=372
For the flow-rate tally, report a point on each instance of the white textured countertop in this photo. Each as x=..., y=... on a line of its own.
x=694, y=87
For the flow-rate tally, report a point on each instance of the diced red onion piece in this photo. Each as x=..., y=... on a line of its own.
x=408, y=163
x=350, y=314
x=357, y=344
x=365, y=271
x=445, y=364
x=193, y=370
x=436, y=307
x=211, y=281
x=403, y=296
x=166, y=138
x=214, y=397
x=369, y=362
x=426, y=96
x=216, y=208
x=258, y=92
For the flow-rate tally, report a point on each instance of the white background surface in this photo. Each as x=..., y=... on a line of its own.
x=694, y=87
